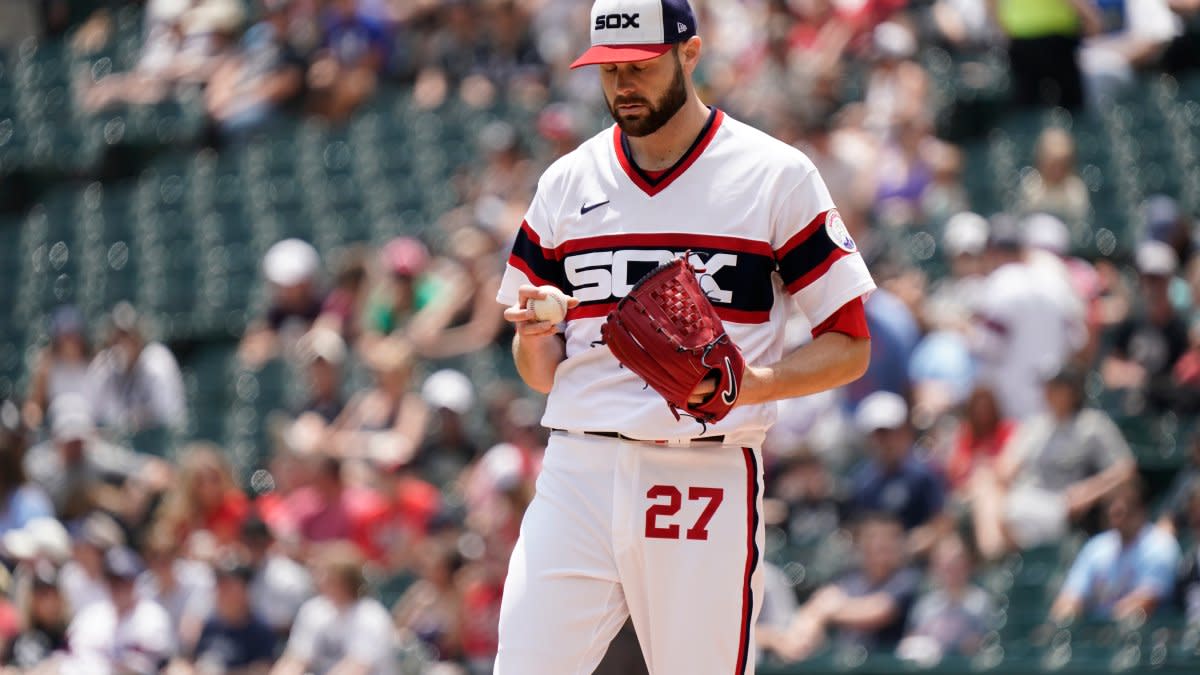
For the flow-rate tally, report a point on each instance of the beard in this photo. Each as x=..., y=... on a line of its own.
x=657, y=114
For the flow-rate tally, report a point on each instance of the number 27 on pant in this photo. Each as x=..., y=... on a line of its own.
x=667, y=502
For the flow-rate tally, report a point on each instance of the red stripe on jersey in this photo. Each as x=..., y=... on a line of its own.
x=801, y=236
x=744, y=645
x=547, y=253
x=817, y=272
x=521, y=265
x=850, y=319
x=678, y=241
x=675, y=171
x=601, y=310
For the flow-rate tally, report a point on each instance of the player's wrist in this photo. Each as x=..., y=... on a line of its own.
x=757, y=385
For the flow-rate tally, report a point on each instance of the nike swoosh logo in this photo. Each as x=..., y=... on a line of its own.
x=730, y=393
x=585, y=208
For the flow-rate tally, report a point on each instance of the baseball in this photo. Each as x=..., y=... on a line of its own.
x=552, y=308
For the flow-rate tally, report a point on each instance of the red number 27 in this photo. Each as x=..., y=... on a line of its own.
x=670, y=507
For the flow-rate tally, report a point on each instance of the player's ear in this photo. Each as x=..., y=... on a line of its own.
x=689, y=54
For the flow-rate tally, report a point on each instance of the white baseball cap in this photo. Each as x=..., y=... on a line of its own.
x=291, y=262
x=624, y=31
x=881, y=410
x=1155, y=258
x=1047, y=232
x=40, y=537
x=450, y=389
x=965, y=233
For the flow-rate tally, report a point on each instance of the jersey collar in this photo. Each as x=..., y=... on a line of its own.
x=650, y=185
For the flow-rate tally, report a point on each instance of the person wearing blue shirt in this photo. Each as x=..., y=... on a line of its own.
x=1123, y=572
x=234, y=640
x=893, y=480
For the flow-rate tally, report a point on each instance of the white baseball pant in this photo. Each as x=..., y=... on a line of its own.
x=671, y=536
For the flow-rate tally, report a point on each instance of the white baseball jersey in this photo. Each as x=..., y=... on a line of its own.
x=757, y=218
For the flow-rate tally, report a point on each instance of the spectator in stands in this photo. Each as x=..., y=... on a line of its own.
x=395, y=523
x=203, y=497
x=812, y=507
x=342, y=310
x=1183, y=53
x=1173, y=509
x=184, y=44
x=44, y=620
x=122, y=633
x=430, y=611
x=259, y=80
x=1146, y=346
x=81, y=471
x=981, y=437
x=449, y=446
x=20, y=499
x=234, y=639
x=903, y=173
x=280, y=585
x=342, y=630
x=1057, y=466
x=1054, y=186
x=400, y=295
x=894, y=334
x=291, y=268
x=322, y=511
x=893, y=480
x=1125, y=572
x=346, y=71
x=1026, y=324
x=386, y=422
x=868, y=607
x=135, y=383
x=466, y=320
x=323, y=352
x=897, y=88
x=61, y=367
x=953, y=298
x=1043, y=38
x=1134, y=36
x=954, y=615
x=82, y=578
x=183, y=587
x=1189, y=577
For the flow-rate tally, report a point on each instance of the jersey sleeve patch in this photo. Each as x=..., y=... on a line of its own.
x=813, y=250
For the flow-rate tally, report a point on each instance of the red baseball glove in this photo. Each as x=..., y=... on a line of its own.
x=668, y=332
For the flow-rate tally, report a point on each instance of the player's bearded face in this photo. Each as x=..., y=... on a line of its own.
x=654, y=114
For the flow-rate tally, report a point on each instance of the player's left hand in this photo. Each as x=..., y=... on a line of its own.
x=703, y=390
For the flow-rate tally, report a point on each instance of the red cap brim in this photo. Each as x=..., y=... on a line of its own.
x=619, y=54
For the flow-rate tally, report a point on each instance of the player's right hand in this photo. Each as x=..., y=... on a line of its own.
x=526, y=323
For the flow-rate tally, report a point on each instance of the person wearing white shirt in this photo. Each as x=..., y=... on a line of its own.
x=341, y=630
x=124, y=634
x=135, y=384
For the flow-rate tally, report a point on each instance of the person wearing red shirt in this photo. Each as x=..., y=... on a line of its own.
x=981, y=436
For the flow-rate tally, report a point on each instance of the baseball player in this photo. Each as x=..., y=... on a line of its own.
x=640, y=512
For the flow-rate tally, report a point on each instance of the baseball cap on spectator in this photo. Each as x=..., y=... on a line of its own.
x=1048, y=233
x=624, y=31
x=291, y=262
x=1156, y=259
x=881, y=410
x=99, y=529
x=233, y=567
x=405, y=257
x=965, y=233
x=450, y=389
x=122, y=563
x=893, y=41
x=41, y=537
x=322, y=344
x=70, y=418
x=66, y=320
x=214, y=16
x=167, y=11
x=1162, y=216
x=1004, y=233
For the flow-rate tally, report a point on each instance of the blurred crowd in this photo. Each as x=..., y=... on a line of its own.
x=983, y=428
